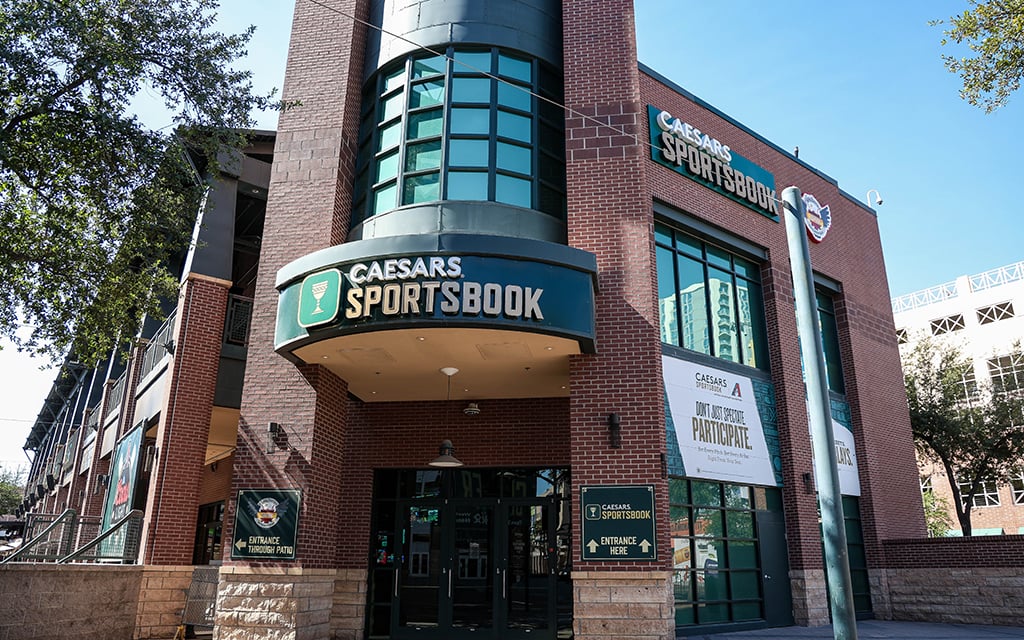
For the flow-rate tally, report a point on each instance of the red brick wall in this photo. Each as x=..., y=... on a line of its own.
x=938, y=553
x=610, y=215
x=307, y=209
x=216, y=485
x=852, y=255
x=183, y=431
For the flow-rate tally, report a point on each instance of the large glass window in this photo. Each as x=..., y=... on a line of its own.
x=830, y=342
x=464, y=126
x=716, y=565
x=709, y=299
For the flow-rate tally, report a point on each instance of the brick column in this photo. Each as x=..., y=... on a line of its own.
x=308, y=209
x=610, y=214
x=169, y=529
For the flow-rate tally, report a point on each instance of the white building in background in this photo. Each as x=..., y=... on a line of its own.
x=984, y=315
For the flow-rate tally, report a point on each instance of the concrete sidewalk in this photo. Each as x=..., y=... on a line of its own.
x=877, y=629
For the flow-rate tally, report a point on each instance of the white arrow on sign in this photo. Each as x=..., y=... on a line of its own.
x=240, y=545
x=644, y=545
x=592, y=546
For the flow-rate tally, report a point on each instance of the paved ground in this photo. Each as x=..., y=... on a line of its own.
x=879, y=629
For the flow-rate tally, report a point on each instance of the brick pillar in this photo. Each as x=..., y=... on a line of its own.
x=610, y=214
x=169, y=529
x=308, y=209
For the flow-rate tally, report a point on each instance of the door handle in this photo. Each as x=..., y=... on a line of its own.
x=504, y=583
x=449, y=583
x=767, y=577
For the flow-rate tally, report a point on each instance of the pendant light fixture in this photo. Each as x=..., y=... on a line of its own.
x=446, y=457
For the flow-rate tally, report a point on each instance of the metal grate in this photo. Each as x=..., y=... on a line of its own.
x=201, y=600
x=236, y=329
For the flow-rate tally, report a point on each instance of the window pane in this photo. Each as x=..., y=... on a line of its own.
x=513, y=190
x=552, y=139
x=512, y=157
x=681, y=586
x=746, y=611
x=745, y=585
x=830, y=347
x=394, y=79
x=552, y=201
x=426, y=94
x=389, y=135
x=662, y=234
x=684, y=615
x=514, y=126
x=742, y=555
x=515, y=67
x=384, y=198
x=752, y=325
x=723, y=320
x=740, y=524
x=423, y=188
x=678, y=491
x=472, y=61
x=428, y=66
x=515, y=96
x=471, y=120
x=667, y=297
x=425, y=124
x=468, y=153
x=719, y=258
x=391, y=107
x=690, y=246
x=707, y=522
x=694, y=329
x=711, y=586
x=471, y=90
x=387, y=167
x=737, y=496
x=706, y=493
x=467, y=185
x=426, y=155
x=746, y=268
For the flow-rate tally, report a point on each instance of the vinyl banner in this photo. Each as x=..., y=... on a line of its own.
x=846, y=460
x=717, y=423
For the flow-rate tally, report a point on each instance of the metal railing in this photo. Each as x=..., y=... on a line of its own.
x=55, y=542
x=945, y=291
x=160, y=345
x=50, y=544
x=116, y=395
x=119, y=543
x=236, y=324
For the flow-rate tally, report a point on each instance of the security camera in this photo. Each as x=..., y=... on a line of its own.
x=472, y=409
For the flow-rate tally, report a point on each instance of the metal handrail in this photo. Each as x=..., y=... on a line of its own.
x=23, y=550
x=133, y=515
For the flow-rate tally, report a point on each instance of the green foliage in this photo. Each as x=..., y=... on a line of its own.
x=973, y=432
x=936, y=515
x=94, y=207
x=11, y=490
x=994, y=31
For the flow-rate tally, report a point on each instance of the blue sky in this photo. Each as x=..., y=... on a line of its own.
x=859, y=86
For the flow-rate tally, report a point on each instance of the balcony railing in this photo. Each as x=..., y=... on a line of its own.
x=160, y=345
x=116, y=395
x=239, y=316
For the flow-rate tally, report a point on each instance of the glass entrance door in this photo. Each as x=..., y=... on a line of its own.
x=482, y=569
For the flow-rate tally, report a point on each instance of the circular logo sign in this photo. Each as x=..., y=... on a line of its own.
x=266, y=513
x=818, y=219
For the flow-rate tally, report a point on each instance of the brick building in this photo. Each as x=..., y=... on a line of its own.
x=522, y=359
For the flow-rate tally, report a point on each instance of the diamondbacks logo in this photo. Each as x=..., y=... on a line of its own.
x=818, y=219
x=736, y=393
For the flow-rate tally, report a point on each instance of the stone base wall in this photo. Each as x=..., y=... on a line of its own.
x=348, y=613
x=623, y=604
x=961, y=596
x=274, y=603
x=162, y=596
x=810, y=597
x=87, y=602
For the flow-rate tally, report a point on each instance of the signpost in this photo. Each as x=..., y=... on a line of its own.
x=266, y=524
x=618, y=523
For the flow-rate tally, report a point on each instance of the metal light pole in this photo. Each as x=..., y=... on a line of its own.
x=830, y=499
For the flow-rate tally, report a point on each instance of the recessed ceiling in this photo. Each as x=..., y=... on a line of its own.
x=402, y=365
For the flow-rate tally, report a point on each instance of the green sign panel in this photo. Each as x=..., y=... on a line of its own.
x=618, y=523
x=319, y=296
x=266, y=524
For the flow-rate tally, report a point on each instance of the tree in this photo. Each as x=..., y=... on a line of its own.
x=94, y=206
x=972, y=430
x=11, y=490
x=994, y=31
x=936, y=514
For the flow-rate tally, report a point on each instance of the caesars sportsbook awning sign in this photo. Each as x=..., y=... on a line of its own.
x=445, y=280
x=702, y=157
